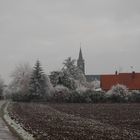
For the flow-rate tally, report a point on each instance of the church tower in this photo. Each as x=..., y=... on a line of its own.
x=81, y=62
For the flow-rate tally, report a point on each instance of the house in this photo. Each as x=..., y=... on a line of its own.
x=130, y=80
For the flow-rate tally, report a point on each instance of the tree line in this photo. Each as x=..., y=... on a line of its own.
x=67, y=85
x=32, y=84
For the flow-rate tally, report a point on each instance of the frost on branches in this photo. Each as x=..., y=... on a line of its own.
x=70, y=75
x=118, y=93
x=19, y=85
x=73, y=76
x=73, y=71
x=28, y=83
x=56, y=77
x=39, y=85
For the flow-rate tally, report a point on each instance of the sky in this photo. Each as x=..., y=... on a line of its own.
x=52, y=30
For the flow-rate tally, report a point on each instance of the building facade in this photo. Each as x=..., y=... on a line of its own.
x=130, y=80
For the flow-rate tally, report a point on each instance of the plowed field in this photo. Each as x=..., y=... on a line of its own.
x=78, y=121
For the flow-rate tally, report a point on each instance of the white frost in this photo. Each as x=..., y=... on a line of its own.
x=17, y=127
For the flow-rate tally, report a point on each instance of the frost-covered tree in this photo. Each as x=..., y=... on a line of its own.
x=72, y=75
x=62, y=78
x=73, y=70
x=94, y=85
x=19, y=85
x=67, y=81
x=56, y=78
x=40, y=85
x=49, y=87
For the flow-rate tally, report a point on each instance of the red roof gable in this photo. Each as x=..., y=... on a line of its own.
x=130, y=80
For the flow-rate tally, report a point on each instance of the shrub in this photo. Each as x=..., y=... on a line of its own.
x=61, y=94
x=96, y=96
x=81, y=89
x=134, y=96
x=118, y=93
x=20, y=97
x=75, y=97
x=80, y=95
x=87, y=96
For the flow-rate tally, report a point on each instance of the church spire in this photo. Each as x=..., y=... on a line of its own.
x=80, y=54
x=80, y=61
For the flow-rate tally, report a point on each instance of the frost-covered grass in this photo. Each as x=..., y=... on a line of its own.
x=16, y=126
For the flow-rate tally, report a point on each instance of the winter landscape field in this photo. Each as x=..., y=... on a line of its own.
x=69, y=70
x=78, y=121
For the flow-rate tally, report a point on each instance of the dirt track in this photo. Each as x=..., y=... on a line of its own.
x=5, y=133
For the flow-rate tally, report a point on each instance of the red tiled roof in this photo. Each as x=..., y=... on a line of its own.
x=130, y=80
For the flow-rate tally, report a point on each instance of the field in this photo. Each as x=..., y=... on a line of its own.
x=78, y=121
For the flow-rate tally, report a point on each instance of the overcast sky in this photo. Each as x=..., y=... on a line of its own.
x=51, y=30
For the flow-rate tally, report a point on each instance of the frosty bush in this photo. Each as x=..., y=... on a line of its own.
x=80, y=95
x=87, y=96
x=61, y=94
x=94, y=84
x=81, y=89
x=118, y=93
x=61, y=88
x=96, y=96
x=20, y=97
x=76, y=97
x=134, y=96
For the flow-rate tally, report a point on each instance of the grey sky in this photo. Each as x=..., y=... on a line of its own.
x=52, y=30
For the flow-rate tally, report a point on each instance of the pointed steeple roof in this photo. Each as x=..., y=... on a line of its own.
x=80, y=61
x=80, y=54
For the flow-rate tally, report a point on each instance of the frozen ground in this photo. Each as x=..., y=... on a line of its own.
x=5, y=133
x=78, y=121
x=16, y=126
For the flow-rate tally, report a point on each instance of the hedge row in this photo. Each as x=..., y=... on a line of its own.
x=88, y=96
